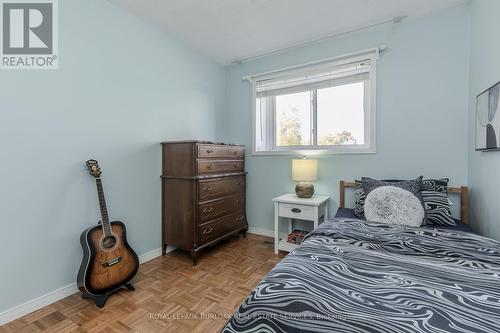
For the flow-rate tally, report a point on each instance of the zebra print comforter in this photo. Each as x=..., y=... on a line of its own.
x=356, y=276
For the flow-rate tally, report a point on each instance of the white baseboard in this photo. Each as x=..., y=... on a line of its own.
x=265, y=232
x=56, y=295
x=261, y=232
x=37, y=303
x=153, y=254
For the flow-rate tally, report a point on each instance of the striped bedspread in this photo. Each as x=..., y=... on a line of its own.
x=356, y=276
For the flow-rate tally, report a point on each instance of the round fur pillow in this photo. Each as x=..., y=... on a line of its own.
x=393, y=205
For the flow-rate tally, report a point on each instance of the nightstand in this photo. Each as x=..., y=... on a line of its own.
x=292, y=207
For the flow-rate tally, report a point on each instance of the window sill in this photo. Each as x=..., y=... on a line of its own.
x=312, y=152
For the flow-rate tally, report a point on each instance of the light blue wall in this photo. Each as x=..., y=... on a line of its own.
x=122, y=87
x=421, y=110
x=484, y=179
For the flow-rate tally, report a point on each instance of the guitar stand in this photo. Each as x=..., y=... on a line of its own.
x=100, y=300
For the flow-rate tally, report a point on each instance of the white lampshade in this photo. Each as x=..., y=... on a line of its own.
x=304, y=170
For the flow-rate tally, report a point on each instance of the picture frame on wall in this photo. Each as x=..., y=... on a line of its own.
x=488, y=119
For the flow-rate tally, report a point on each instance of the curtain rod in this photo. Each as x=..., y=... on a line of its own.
x=394, y=20
x=376, y=50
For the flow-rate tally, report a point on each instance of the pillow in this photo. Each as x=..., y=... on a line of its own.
x=412, y=186
x=434, y=195
x=437, y=206
x=359, y=203
x=360, y=195
x=394, y=205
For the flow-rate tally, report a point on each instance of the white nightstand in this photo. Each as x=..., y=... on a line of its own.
x=292, y=207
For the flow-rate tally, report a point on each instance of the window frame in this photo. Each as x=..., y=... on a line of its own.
x=369, y=146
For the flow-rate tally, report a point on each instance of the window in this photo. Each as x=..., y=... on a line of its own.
x=327, y=106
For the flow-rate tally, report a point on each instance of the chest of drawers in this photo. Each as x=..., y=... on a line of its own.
x=203, y=194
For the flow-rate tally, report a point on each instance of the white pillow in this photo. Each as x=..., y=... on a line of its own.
x=394, y=205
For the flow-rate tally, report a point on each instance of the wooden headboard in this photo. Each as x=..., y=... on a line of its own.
x=463, y=191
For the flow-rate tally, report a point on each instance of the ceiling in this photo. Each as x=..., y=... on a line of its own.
x=231, y=30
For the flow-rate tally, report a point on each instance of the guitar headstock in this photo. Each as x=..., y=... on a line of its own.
x=93, y=167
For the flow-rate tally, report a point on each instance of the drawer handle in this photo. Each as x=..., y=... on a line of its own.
x=238, y=183
x=210, y=166
x=207, y=231
x=208, y=210
x=296, y=210
x=237, y=201
x=209, y=151
x=209, y=189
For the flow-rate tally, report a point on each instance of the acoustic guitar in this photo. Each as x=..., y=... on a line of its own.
x=109, y=263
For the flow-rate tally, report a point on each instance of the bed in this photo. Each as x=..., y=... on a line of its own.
x=352, y=275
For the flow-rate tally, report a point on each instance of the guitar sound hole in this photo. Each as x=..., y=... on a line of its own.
x=108, y=242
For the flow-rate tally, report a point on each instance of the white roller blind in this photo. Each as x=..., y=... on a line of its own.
x=326, y=76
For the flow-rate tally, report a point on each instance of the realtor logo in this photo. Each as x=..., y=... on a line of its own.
x=29, y=34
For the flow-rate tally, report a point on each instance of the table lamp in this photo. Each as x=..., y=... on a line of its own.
x=304, y=172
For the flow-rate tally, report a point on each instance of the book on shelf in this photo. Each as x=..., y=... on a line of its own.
x=297, y=236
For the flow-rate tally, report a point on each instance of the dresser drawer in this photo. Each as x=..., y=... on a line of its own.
x=221, y=226
x=220, y=187
x=217, y=208
x=300, y=212
x=204, y=150
x=211, y=166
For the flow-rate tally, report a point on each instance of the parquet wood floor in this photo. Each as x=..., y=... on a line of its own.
x=171, y=295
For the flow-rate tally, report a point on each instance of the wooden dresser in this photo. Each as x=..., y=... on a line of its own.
x=203, y=194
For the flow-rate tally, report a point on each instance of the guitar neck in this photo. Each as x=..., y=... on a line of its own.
x=104, y=210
